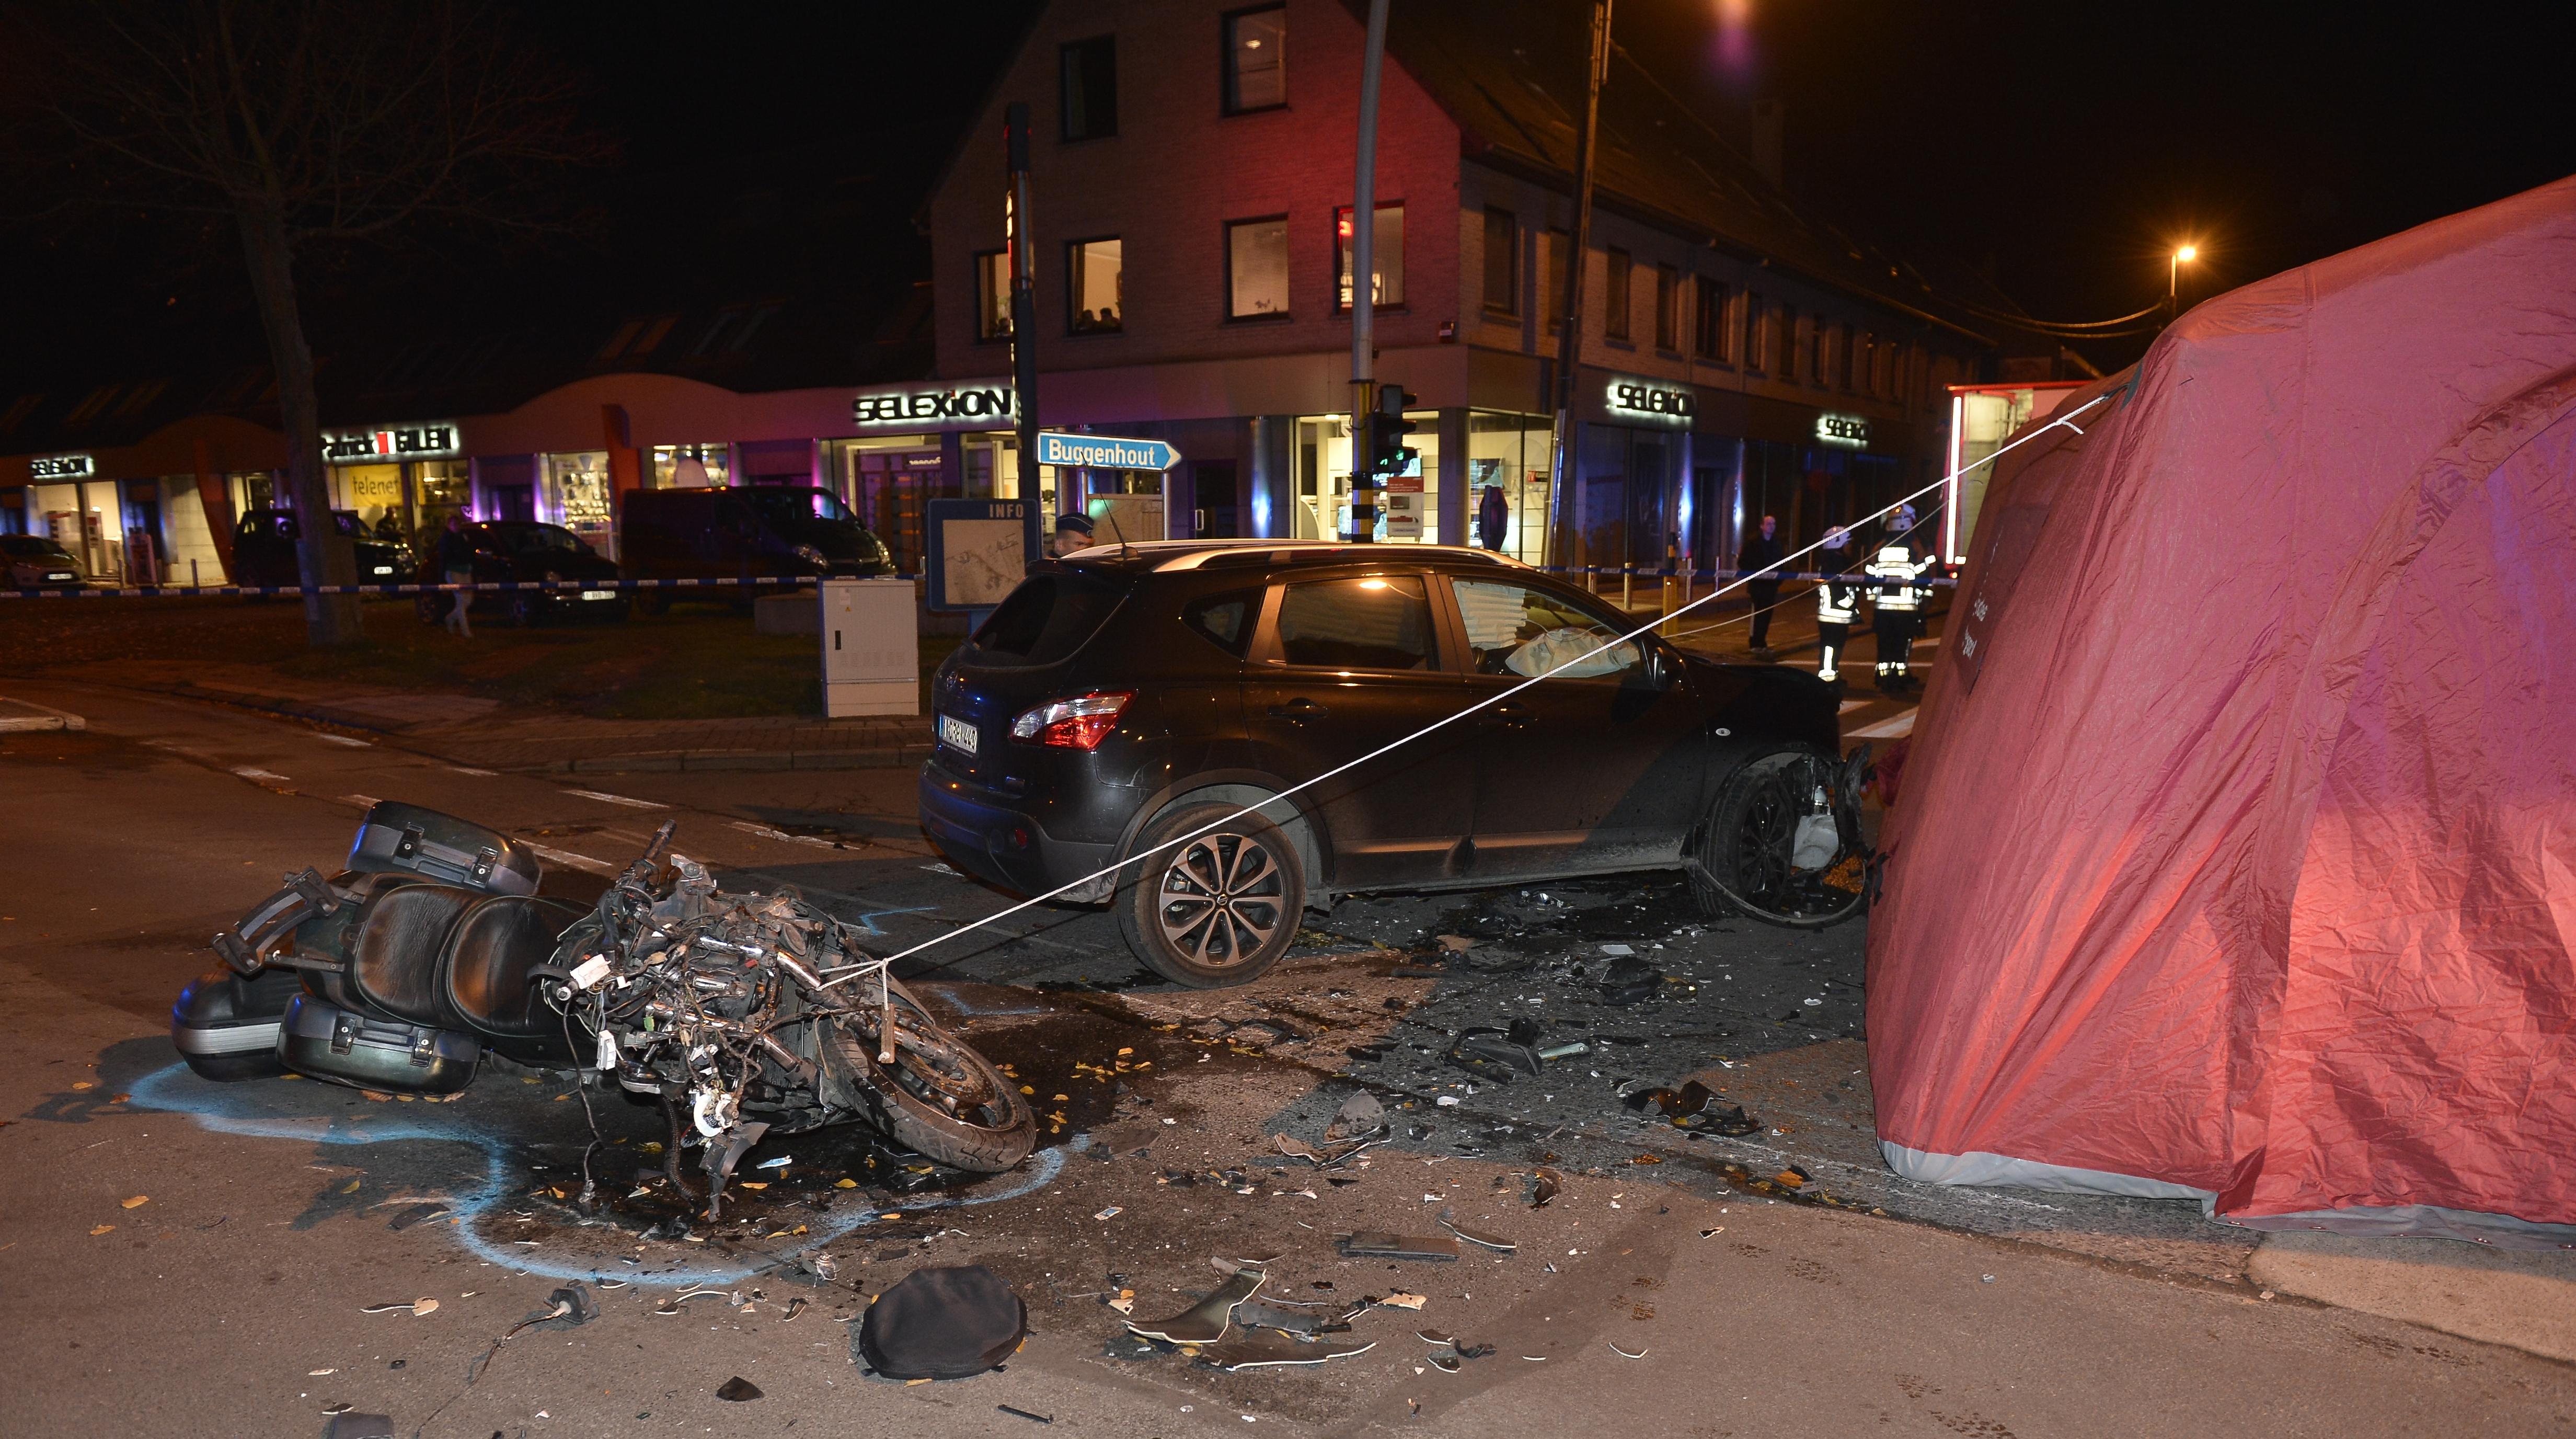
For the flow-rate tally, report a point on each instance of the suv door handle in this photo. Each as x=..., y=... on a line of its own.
x=1299, y=710
x=1511, y=714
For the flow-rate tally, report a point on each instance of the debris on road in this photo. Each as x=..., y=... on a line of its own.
x=945, y=1323
x=415, y=1308
x=359, y=1426
x=416, y=1214
x=1267, y=1353
x=1479, y=1238
x=1206, y=1321
x=1624, y=1354
x=738, y=1390
x=1545, y=1185
x=1360, y=1114
x=1380, y=1244
x=1024, y=1414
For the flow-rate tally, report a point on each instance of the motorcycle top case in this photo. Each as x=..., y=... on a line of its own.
x=413, y=840
x=321, y=1039
x=226, y=1026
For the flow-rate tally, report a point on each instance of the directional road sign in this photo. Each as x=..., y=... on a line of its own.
x=1104, y=452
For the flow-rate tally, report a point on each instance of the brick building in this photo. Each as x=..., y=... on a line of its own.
x=1192, y=164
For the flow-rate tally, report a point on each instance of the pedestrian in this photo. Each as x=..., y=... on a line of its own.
x=1759, y=558
x=456, y=562
x=1072, y=532
x=1837, y=602
x=387, y=530
x=1897, y=614
x=1493, y=518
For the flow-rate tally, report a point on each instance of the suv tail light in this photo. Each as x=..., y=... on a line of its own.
x=1078, y=723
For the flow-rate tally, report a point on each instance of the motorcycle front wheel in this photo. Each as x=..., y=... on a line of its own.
x=939, y=1098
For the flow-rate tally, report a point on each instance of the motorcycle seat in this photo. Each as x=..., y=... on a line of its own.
x=484, y=971
x=394, y=959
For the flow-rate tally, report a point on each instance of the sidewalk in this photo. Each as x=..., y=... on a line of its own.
x=479, y=732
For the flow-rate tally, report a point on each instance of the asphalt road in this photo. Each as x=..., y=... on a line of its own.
x=228, y=1299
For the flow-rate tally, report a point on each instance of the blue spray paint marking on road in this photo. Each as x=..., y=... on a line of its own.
x=868, y=921
x=175, y=1090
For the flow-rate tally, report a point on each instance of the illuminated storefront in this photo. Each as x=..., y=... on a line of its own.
x=1982, y=417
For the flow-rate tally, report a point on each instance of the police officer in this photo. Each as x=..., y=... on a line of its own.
x=1837, y=601
x=1072, y=532
x=1897, y=615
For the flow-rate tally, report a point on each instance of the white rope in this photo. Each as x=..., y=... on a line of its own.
x=1484, y=703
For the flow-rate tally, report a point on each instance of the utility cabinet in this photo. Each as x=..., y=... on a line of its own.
x=871, y=648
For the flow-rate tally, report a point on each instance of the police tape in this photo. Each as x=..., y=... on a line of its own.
x=109, y=592
x=1716, y=576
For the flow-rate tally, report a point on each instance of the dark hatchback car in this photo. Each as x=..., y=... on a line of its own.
x=264, y=549
x=1123, y=697
x=745, y=532
x=525, y=550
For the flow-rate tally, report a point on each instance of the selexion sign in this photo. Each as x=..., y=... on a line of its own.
x=63, y=467
x=939, y=408
x=1635, y=399
x=432, y=441
x=1850, y=431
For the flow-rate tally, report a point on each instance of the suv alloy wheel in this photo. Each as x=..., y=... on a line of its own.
x=1217, y=908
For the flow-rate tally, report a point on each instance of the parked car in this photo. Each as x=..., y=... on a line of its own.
x=525, y=550
x=35, y=562
x=1125, y=696
x=264, y=549
x=746, y=532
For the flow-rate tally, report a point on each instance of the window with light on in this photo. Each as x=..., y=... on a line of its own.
x=1386, y=261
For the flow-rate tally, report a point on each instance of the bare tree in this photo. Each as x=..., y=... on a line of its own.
x=307, y=123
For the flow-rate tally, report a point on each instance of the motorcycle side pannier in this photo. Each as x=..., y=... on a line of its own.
x=320, y=1039
x=441, y=847
x=225, y=1026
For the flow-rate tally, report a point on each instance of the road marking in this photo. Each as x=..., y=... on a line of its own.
x=362, y=801
x=1850, y=705
x=616, y=799
x=765, y=832
x=469, y=769
x=577, y=861
x=256, y=775
x=1888, y=728
x=45, y=717
x=343, y=739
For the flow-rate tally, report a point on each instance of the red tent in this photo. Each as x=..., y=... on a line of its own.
x=2237, y=851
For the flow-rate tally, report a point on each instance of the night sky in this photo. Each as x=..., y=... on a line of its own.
x=2061, y=148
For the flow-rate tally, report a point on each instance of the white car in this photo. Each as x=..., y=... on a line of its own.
x=35, y=562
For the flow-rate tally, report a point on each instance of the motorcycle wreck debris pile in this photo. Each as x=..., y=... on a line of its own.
x=742, y=1014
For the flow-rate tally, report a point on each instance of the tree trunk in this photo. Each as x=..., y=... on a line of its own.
x=323, y=555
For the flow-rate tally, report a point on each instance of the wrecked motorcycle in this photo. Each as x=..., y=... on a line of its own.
x=742, y=1014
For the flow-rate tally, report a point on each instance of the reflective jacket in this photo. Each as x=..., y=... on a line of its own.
x=1893, y=572
x=1837, y=598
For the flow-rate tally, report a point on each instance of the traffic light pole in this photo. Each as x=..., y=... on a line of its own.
x=1024, y=308
x=1569, y=343
x=1364, y=289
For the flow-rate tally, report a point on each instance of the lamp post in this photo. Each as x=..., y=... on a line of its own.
x=2173, y=276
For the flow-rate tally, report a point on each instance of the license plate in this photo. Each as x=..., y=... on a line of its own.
x=599, y=594
x=957, y=733
x=384, y=569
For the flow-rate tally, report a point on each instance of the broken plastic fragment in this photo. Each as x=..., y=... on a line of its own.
x=1624, y=1354
x=1263, y=1353
x=1545, y=1185
x=738, y=1390
x=1379, y=1244
x=1206, y=1321
x=1401, y=1300
x=1482, y=1240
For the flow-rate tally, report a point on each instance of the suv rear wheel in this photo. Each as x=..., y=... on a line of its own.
x=1217, y=908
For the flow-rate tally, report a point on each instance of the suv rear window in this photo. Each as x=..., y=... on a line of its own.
x=1047, y=618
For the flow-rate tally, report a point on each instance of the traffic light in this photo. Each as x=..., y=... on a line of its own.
x=1385, y=430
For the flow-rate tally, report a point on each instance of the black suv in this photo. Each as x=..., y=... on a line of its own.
x=1126, y=696
x=525, y=550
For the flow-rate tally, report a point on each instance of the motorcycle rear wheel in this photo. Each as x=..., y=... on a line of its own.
x=940, y=1098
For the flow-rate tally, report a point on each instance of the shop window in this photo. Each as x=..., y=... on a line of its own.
x=1708, y=320
x=1816, y=357
x=1379, y=623
x=1843, y=342
x=1620, y=270
x=1256, y=269
x=1502, y=262
x=1668, y=284
x=993, y=295
x=1256, y=60
x=1757, y=332
x=1094, y=293
x=1786, y=367
x=1386, y=259
x=1091, y=88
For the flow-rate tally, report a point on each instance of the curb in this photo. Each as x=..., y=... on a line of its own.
x=899, y=757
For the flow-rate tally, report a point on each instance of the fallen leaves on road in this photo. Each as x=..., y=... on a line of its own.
x=138, y=1201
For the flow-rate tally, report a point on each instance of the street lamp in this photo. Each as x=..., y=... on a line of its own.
x=2173, y=273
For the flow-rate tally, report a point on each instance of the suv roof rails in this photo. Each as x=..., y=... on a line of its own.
x=1169, y=555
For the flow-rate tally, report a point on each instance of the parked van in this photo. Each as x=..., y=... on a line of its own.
x=745, y=532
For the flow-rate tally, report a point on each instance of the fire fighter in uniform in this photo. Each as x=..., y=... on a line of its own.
x=1897, y=615
x=1837, y=601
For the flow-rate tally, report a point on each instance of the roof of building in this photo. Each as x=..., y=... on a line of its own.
x=1512, y=76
